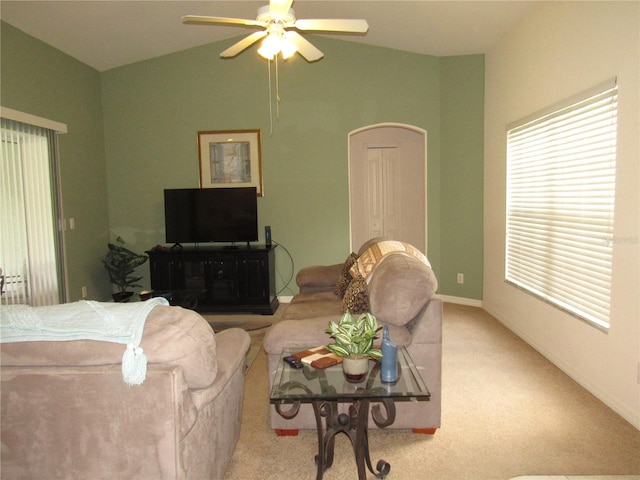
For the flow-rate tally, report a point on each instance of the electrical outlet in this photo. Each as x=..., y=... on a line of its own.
x=84, y=291
x=461, y=278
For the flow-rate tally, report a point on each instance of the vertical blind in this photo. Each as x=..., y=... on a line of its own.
x=561, y=168
x=28, y=226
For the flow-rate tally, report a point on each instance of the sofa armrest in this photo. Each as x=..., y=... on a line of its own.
x=232, y=347
x=318, y=278
x=426, y=327
x=231, y=350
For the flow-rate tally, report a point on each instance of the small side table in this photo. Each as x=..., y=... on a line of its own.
x=326, y=389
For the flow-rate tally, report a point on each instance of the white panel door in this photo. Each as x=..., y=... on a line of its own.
x=382, y=190
x=387, y=185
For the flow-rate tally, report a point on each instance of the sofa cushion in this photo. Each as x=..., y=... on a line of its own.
x=344, y=279
x=400, y=288
x=356, y=298
x=369, y=260
x=292, y=334
x=318, y=278
x=171, y=335
x=312, y=304
x=369, y=243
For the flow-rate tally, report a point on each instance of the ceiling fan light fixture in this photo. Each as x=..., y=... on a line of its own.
x=270, y=46
x=276, y=43
x=287, y=48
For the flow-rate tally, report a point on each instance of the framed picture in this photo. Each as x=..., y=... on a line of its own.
x=230, y=158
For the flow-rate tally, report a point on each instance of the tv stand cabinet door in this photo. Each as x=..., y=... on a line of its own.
x=167, y=272
x=253, y=279
x=222, y=281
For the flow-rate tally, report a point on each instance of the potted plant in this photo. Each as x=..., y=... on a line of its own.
x=120, y=263
x=354, y=343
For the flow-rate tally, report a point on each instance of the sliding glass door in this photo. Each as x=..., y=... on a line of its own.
x=30, y=242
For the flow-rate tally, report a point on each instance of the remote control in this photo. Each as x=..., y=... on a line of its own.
x=294, y=362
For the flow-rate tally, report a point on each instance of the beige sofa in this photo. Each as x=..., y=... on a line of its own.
x=401, y=293
x=67, y=413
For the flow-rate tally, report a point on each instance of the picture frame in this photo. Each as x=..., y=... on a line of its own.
x=230, y=158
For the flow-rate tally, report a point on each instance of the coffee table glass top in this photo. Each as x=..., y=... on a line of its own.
x=308, y=384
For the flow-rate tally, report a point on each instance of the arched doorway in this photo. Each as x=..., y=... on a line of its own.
x=388, y=184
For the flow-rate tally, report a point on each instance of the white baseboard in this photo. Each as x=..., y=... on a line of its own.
x=285, y=299
x=461, y=300
x=602, y=394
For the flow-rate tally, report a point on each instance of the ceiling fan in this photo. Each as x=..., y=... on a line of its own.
x=279, y=24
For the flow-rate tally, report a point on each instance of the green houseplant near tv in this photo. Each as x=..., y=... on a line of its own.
x=354, y=343
x=120, y=263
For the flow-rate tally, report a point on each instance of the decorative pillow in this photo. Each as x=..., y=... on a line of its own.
x=345, y=276
x=356, y=298
x=370, y=258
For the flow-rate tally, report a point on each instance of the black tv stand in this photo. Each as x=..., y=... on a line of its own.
x=240, y=279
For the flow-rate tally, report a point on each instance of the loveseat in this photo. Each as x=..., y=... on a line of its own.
x=67, y=413
x=399, y=289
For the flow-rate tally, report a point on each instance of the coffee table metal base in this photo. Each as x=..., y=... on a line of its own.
x=354, y=424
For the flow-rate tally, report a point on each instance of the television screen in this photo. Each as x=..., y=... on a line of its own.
x=194, y=215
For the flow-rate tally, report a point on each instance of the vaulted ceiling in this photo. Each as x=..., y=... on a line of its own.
x=108, y=34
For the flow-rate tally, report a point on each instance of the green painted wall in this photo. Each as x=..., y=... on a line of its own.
x=462, y=139
x=40, y=80
x=151, y=112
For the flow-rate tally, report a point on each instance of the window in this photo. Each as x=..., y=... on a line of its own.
x=560, y=203
x=30, y=243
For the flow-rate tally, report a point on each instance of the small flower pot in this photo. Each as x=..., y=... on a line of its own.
x=355, y=368
x=121, y=297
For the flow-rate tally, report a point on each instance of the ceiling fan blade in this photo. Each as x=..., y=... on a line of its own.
x=203, y=20
x=333, y=25
x=246, y=42
x=305, y=48
x=280, y=7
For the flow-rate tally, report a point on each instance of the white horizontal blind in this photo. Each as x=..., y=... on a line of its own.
x=560, y=204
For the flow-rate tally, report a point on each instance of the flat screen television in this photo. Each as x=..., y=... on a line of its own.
x=197, y=215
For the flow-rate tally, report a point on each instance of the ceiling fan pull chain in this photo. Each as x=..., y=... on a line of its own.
x=277, y=92
x=270, y=106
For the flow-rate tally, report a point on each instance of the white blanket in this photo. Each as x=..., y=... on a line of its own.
x=84, y=320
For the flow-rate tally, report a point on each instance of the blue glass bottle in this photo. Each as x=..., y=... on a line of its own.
x=389, y=363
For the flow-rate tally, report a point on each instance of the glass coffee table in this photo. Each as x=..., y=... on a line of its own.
x=326, y=388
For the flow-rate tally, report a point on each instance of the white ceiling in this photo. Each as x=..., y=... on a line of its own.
x=108, y=34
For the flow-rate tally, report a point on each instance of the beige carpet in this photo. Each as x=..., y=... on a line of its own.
x=247, y=322
x=578, y=477
x=507, y=412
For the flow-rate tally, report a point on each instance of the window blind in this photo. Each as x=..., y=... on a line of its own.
x=561, y=167
x=29, y=255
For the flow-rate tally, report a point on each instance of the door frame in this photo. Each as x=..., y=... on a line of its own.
x=402, y=126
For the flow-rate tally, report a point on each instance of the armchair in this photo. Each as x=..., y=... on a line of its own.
x=66, y=412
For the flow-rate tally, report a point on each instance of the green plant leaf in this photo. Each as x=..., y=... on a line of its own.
x=120, y=263
x=375, y=353
x=354, y=335
x=338, y=350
